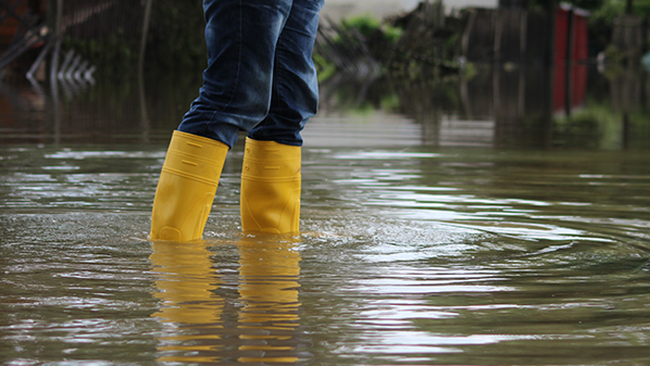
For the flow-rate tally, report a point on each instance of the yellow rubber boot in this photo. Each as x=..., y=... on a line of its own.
x=270, y=187
x=187, y=185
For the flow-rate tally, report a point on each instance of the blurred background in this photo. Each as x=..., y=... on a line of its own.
x=489, y=73
x=475, y=191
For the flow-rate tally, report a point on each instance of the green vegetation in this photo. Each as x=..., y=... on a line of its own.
x=175, y=41
x=601, y=9
x=325, y=69
x=414, y=44
x=369, y=26
x=585, y=128
x=176, y=38
x=405, y=42
x=113, y=54
x=599, y=126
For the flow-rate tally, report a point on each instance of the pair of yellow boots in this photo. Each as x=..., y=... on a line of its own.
x=270, y=187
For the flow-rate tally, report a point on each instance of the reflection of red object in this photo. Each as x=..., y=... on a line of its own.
x=579, y=53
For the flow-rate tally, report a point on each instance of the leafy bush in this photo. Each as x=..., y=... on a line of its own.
x=369, y=26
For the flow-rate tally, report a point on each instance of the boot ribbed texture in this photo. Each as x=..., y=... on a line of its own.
x=187, y=185
x=270, y=187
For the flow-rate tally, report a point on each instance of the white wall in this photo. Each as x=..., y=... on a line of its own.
x=337, y=9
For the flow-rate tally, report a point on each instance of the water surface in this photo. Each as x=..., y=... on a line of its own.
x=435, y=229
x=407, y=255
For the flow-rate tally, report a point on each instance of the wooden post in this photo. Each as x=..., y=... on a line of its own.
x=145, y=31
x=498, y=34
x=58, y=34
x=54, y=68
x=496, y=61
x=468, y=32
x=523, y=41
x=626, y=130
x=568, y=62
x=550, y=69
x=144, y=115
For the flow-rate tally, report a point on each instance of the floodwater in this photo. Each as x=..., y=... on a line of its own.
x=439, y=243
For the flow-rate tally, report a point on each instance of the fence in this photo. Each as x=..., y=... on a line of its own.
x=506, y=35
x=97, y=19
x=520, y=38
x=89, y=22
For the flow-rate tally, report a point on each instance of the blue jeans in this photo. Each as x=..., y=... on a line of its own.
x=260, y=76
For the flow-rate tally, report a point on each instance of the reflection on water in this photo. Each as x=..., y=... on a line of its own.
x=268, y=323
x=409, y=255
x=497, y=106
x=121, y=111
x=189, y=304
x=191, y=286
x=438, y=227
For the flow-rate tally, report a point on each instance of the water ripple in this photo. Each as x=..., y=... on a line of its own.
x=411, y=256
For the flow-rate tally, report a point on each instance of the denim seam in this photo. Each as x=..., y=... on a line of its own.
x=206, y=124
x=281, y=71
x=239, y=54
x=277, y=70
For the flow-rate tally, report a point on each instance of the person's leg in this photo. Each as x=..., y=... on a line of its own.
x=294, y=95
x=241, y=36
x=271, y=179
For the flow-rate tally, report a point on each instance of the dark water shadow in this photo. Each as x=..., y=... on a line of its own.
x=489, y=106
x=127, y=110
x=507, y=106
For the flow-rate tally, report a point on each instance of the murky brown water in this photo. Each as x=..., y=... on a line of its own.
x=411, y=252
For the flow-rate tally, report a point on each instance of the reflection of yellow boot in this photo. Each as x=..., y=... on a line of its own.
x=187, y=185
x=269, y=273
x=270, y=187
x=189, y=308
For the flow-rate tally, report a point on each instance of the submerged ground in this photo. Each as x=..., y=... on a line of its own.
x=430, y=234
